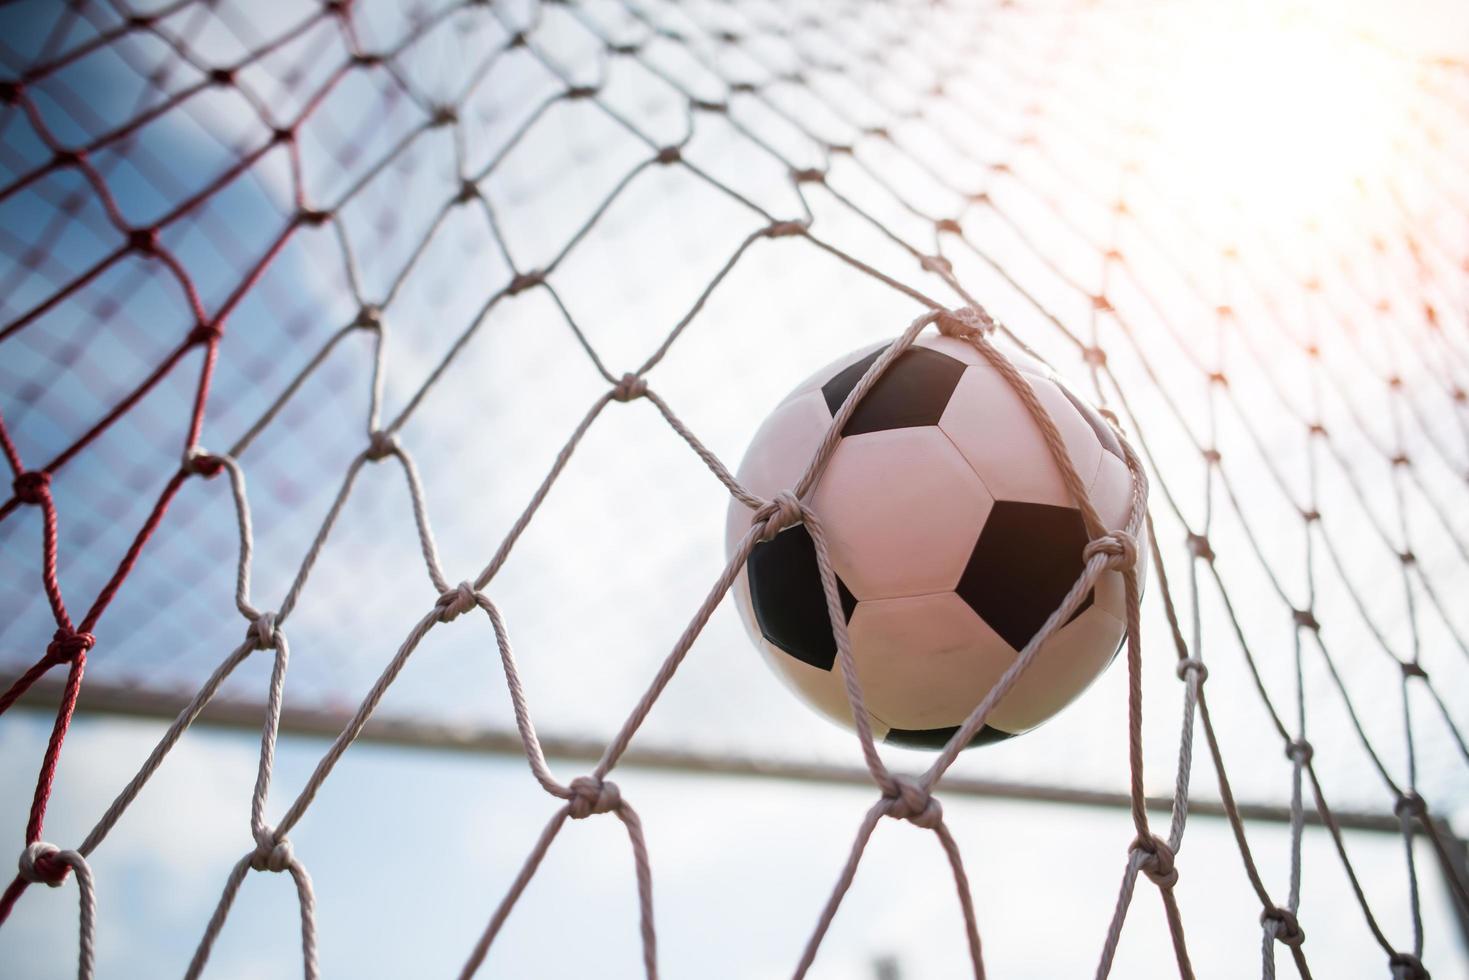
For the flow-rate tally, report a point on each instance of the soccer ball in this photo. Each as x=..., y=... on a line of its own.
x=952, y=536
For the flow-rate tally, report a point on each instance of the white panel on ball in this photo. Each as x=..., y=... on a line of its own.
x=992, y=428
x=901, y=510
x=925, y=661
x=1063, y=668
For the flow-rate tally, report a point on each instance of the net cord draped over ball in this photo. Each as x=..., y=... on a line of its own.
x=911, y=798
x=952, y=535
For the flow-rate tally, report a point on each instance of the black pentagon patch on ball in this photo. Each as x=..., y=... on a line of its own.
x=1027, y=558
x=914, y=390
x=1099, y=425
x=937, y=738
x=790, y=606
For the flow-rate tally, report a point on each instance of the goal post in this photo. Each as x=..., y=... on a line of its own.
x=423, y=734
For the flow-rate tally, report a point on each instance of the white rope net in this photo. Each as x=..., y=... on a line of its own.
x=484, y=245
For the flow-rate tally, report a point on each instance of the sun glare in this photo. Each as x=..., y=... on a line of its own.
x=1274, y=119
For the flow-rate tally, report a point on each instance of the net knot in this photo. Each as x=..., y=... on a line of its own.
x=205, y=333
x=966, y=322
x=911, y=802
x=262, y=632
x=68, y=646
x=785, y=229
x=32, y=487
x=197, y=462
x=369, y=317
x=271, y=854
x=1157, y=862
x=936, y=263
x=1199, y=546
x=1411, y=668
x=381, y=445
x=456, y=602
x=1410, y=804
x=1406, y=966
x=39, y=864
x=1299, y=750
x=591, y=795
x=144, y=240
x=1192, y=665
x=630, y=387
x=1306, y=619
x=668, y=155
x=524, y=281
x=1287, y=928
x=1094, y=356
x=782, y=511
x=1119, y=547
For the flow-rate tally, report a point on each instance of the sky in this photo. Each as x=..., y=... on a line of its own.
x=411, y=850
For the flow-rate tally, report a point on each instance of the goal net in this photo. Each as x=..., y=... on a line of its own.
x=374, y=374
